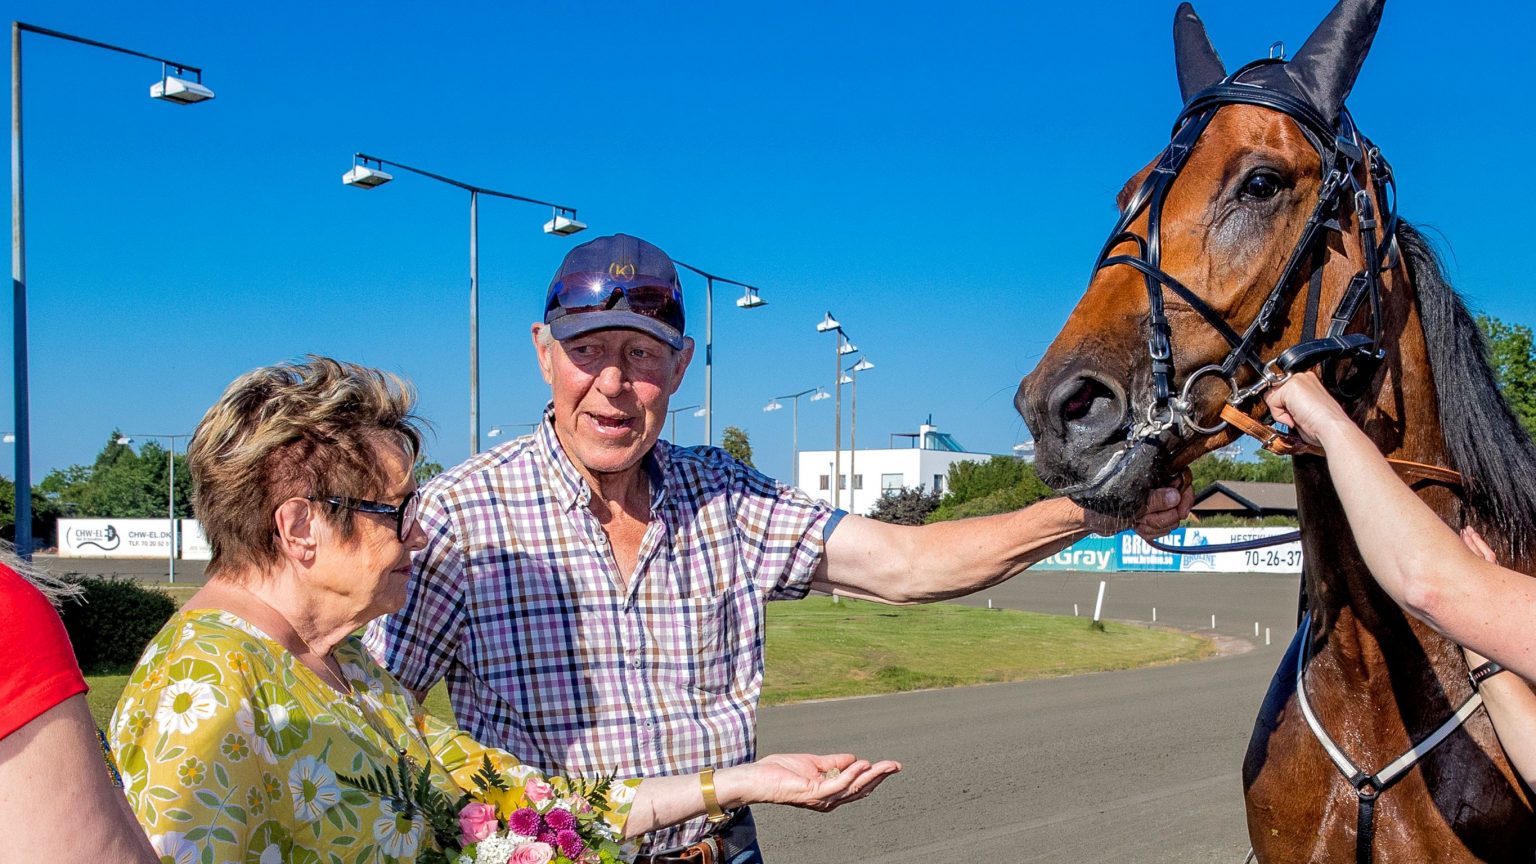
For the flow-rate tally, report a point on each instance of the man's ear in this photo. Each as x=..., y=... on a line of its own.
x=684, y=357
x=295, y=523
x=542, y=346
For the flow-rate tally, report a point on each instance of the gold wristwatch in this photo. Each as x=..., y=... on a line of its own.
x=711, y=803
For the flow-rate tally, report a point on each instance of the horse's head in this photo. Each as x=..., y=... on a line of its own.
x=1197, y=288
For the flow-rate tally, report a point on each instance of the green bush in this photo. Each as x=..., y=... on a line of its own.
x=112, y=621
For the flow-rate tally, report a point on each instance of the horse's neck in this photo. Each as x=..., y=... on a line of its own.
x=1361, y=626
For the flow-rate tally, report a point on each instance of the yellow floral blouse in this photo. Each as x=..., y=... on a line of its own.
x=231, y=751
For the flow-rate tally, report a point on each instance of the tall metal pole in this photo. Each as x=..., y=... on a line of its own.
x=794, y=441
x=853, y=441
x=19, y=314
x=172, y=513
x=474, y=321
x=837, y=425
x=709, y=361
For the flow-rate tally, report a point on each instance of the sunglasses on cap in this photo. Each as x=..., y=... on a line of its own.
x=576, y=293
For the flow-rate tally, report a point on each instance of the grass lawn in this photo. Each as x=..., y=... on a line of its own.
x=818, y=649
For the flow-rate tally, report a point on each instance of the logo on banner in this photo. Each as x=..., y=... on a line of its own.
x=105, y=539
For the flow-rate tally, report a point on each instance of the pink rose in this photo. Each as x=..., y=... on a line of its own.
x=477, y=821
x=537, y=790
x=532, y=853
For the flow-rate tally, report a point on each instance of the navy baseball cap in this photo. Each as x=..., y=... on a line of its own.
x=617, y=282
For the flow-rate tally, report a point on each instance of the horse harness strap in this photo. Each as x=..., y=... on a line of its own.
x=1369, y=787
x=1281, y=444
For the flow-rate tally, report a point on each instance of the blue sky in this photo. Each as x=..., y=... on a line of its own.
x=939, y=176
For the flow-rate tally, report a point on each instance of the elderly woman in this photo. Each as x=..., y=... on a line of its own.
x=248, y=709
x=59, y=800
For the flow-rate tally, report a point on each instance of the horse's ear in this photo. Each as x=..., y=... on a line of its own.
x=1199, y=67
x=1326, y=67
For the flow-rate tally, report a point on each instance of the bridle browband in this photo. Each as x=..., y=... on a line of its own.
x=1344, y=153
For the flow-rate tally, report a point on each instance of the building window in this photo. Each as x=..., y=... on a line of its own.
x=842, y=481
x=891, y=482
x=826, y=482
x=938, y=483
x=858, y=481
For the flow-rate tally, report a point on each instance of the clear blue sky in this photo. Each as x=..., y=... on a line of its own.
x=939, y=176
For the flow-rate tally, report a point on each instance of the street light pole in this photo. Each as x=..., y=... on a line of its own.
x=564, y=223
x=747, y=300
x=170, y=510
x=794, y=452
x=168, y=89
x=853, y=432
x=674, y=412
x=844, y=346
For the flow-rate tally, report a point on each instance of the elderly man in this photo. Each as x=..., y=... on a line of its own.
x=595, y=596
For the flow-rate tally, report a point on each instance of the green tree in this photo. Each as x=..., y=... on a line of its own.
x=998, y=485
x=425, y=470
x=1512, y=353
x=1268, y=469
x=909, y=505
x=734, y=441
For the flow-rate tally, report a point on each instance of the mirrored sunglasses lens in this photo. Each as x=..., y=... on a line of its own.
x=408, y=515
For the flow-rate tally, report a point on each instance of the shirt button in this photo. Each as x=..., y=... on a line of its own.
x=636, y=663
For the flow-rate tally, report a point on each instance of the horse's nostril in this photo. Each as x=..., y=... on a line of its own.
x=1077, y=405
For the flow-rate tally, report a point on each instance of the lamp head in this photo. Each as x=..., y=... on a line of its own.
x=364, y=177
x=179, y=91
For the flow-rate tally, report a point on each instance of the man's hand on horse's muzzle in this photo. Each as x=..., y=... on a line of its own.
x=1162, y=512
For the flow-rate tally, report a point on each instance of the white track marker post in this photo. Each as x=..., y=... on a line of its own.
x=1213, y=622
x=989, y=602
x=1154, y=614
x=1266, y=635
x=1074, y=610
x=1255, y=628
x=1098, y=605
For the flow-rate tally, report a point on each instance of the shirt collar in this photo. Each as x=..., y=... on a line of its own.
x=571, y=487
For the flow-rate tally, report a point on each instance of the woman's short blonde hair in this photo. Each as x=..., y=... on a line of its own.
x=294, y=430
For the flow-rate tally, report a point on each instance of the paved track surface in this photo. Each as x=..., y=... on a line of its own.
x=1135, y=766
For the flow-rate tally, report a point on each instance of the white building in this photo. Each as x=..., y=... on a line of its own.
x=866, y=474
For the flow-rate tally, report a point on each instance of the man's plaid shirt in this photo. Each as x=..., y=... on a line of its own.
x=516, y=600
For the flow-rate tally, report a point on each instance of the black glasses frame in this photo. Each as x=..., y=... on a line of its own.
x=404, y=512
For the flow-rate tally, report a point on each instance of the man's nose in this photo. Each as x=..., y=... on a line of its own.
x=611, y=379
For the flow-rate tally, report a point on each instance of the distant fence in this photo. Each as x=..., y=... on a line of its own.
x=1127, y=551
x=131, y=538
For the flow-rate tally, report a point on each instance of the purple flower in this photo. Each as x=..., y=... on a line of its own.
x=525, y=821
x=560, y=819
x=547, y=836
x=570, y=843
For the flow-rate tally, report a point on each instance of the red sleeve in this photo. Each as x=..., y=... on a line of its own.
x=37, y=663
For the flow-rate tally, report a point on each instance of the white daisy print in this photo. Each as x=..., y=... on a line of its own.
x=398, y=834
x=185, y=704
x=245, y=720
x=174, y=848
x=313, y=787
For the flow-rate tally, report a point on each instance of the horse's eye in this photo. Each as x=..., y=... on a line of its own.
x=1261, y=185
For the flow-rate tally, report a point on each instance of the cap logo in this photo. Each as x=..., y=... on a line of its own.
x=621, y=271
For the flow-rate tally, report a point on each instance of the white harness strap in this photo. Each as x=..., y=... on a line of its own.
x=1369, y=786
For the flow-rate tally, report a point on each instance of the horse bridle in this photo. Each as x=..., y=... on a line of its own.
x=1344, y=151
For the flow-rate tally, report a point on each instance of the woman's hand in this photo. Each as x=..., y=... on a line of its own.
x=1305, y=405
x=821, y=783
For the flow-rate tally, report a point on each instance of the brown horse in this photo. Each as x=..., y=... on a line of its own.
x=1267, y=218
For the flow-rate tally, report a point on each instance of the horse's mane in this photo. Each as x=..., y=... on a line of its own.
x=1483, y=438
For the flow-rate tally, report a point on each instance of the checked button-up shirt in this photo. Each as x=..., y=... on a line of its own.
x=517, y=602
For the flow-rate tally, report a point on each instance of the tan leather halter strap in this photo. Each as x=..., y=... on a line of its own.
x=1281, y=444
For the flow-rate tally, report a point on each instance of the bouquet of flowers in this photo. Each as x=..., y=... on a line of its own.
x=533, y=824
x=502, y=821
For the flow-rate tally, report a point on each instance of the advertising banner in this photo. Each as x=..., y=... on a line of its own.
x=1128, y=552
x=1091, y=554
x=194, y=543
x=1270, y=559
x=114, y=538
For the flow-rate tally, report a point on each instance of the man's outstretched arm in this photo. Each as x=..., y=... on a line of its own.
x=874, y=560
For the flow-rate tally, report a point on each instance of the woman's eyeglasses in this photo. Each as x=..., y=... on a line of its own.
x=404, y=512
